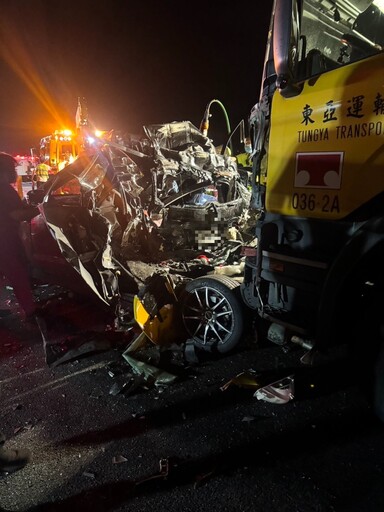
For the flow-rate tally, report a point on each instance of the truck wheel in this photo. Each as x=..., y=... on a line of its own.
x=212, y=313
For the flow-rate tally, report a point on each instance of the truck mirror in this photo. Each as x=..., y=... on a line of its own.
x=285, y=46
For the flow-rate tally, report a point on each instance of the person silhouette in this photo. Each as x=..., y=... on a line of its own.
x=13, y=261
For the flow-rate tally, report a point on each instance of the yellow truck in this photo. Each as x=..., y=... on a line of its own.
x=59, y=148
x=55, y=151
x=313, y=273
x=316, y=275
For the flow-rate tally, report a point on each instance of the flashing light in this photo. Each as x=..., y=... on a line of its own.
x=22, y=158
x=63, y=135
x=65, y=138
x=99, y=133
x=90, y=140
x=64, y=132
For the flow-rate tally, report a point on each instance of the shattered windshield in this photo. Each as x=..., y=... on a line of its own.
x=338, y=33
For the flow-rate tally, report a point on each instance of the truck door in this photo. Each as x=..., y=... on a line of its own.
x=326, y=151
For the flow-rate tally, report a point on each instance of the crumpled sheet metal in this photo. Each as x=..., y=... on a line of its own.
x=151, y=374
x=148, y=373
x=248, y=379
x=140, y=205
x=66, y=248
x=279, y=392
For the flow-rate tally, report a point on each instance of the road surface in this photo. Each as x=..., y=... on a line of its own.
x=190, y=446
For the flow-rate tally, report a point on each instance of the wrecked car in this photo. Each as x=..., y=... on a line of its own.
x=156, y=219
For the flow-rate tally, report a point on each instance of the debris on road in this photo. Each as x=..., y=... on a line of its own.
x=279, y=392
x=248, y=379
x=152, y=375
x=163, y=473
x=89, y=475
x=119, y=459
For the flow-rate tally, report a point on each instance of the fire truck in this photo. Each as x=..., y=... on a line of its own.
x=58, y=148
x=316, y=276
x=62, y=146
x=24, y=169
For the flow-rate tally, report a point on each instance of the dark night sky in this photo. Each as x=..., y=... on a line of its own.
x=136, y=63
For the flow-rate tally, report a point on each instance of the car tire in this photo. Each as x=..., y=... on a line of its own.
x=212, y=314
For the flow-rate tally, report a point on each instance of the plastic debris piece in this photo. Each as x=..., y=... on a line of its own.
x=151, y=373
x=115, y=389
x=163, y=467
x=139, y=342
x=163, y=472
x=248, y=419
x=127, y=387
x=247, y=379
x=279, y=392
x=190, y=352
x=201, y=478
x=119, y=459
x=89, y=475
x=58, y=354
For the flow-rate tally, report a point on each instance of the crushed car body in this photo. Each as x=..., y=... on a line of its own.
x=144, y=219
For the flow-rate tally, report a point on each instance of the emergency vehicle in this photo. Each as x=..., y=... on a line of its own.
x=24, y=169
x=59, y=148
x=24, y=165
x=316, y=275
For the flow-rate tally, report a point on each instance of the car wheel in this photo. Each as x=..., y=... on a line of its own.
x=212, y=313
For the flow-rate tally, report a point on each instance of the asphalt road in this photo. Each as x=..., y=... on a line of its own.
x=190, y=446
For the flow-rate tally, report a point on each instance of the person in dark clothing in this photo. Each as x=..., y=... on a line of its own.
x=13, y=263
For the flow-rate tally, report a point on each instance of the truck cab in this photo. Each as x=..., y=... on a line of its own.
x=318, y=181
x=59, y=148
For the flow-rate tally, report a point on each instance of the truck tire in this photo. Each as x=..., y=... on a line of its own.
x=212, y=313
